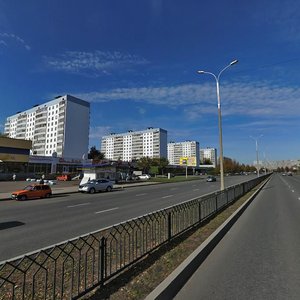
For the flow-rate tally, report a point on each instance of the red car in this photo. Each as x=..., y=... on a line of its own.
x=33, y=191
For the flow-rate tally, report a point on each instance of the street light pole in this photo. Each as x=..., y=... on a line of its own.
x=217, y=78
x=256, y=147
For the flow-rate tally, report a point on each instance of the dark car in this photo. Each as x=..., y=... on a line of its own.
x=211, y=179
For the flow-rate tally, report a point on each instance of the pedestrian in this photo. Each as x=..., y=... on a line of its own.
x=14, y=177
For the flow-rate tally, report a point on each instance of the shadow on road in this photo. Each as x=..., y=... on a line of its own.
x=6, y=225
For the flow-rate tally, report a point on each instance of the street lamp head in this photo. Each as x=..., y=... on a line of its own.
x=234, y=62
x=200, y=72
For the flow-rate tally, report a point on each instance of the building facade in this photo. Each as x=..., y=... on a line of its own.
x=132, y=145
x=55, y=127
x=187, y=151
x=208, y=154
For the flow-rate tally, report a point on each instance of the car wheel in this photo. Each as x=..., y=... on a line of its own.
x=22, y=198
x=108, y=189
x=92, y=191
x=48, y=195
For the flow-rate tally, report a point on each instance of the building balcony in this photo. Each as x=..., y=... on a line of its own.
x=40, y=143
x=41, y=121
x=39, y=147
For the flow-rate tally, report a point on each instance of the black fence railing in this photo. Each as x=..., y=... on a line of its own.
x=71, y=269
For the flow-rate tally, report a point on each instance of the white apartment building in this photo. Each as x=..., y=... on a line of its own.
x=151, y=142
x=58, y=127
x=208, y=153
x=189, y=149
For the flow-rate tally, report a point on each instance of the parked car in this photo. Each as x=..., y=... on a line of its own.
x=211, y=179
x=64, y=177
x=145, y=176
x=33, y=191
x=96, y=185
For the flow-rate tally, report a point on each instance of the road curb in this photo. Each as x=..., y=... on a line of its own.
x=177, y=279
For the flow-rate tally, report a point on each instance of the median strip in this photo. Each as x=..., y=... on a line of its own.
x=106, y=210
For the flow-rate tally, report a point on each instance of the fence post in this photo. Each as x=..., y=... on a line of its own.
x=169, y=226
x=227, y=194
x=102, y=259
x=216, y=202
x=199, y=210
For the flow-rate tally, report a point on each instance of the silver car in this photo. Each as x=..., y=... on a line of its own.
x=96, y=185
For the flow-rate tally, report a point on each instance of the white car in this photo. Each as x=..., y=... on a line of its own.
x=96, y=185
x=145, y=176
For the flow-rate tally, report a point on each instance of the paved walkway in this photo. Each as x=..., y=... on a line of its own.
x=62, y=187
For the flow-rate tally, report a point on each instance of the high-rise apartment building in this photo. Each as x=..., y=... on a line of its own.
x=208, y=154
x=187, y=149
x=151, y=142
x=58, y=127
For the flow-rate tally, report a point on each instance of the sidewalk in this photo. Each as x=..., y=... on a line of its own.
x=62, y=187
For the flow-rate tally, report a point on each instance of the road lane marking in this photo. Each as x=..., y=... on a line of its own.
x=140, y=195
x=173, y=189
x=106, y=210
x=195, y=190
x=167, y=196
x=82, y=204
x=293, y=191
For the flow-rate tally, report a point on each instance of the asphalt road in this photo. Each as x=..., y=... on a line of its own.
x=259, y=257
x=34, y=224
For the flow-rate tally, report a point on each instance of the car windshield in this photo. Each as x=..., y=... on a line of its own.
x=28, y=188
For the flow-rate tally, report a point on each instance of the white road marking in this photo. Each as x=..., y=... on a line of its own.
x=298, y=198
x=196, y=190
x=173, y=189
x=140, y=195
x=103, y=211
x=293, y=191
x=167, y=196
x=82, y=204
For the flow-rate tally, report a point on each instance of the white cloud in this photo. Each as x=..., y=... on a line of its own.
x=142, y=111
x=92, y=63
x=250, y=99
x=12, y=36
x=99, y=131
x=3, y=43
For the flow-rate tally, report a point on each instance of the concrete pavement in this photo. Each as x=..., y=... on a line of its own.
x=170, y=287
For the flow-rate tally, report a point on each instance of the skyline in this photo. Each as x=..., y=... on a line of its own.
x=137, y=63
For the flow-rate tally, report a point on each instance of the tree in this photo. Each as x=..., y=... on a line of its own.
x=207, y=161
x=161, y=162
x=95, y=154
x=145, y=163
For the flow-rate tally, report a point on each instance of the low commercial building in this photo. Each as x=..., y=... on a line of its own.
x=14, y=156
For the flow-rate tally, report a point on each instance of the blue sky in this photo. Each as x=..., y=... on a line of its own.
x=136, y=61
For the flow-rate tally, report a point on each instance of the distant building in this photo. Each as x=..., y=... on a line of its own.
x=187, y=151
x=59, y=127
x=131, y=145
x=208, y=154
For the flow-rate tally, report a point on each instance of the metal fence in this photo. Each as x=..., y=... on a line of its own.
x=71, y=269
